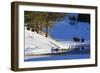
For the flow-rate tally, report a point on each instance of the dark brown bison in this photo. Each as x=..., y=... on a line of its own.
x=76, y=39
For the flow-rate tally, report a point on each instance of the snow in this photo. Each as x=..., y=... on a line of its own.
x=39, y=44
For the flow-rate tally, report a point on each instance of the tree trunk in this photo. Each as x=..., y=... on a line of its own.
x=47, y=28
x=37, y=28
x=41, y=26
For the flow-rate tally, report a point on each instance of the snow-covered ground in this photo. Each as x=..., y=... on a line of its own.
x=38, y=44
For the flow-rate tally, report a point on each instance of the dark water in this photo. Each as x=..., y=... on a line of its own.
x=63, y=57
